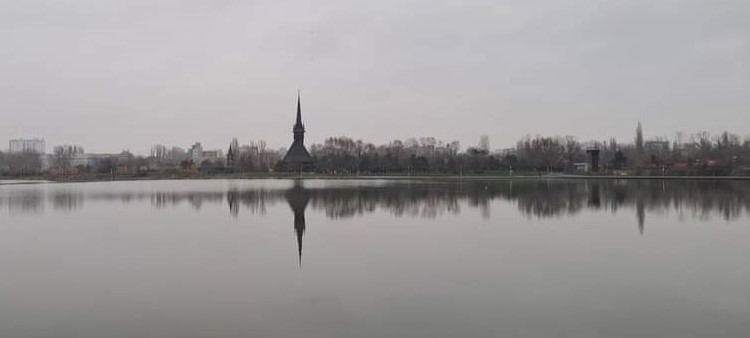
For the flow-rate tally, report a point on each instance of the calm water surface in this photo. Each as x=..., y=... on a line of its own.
x=279, y=258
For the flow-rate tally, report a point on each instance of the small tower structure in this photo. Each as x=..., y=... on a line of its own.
x=594, y=157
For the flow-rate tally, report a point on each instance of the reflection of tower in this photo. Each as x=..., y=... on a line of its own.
x=233, y=199
x=595, y=196
x=298, y=197
x=640, y=213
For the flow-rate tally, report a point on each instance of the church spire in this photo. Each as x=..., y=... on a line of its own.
x=297, y=158
x=299, y=124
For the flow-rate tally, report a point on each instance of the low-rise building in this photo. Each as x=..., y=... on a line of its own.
x=76, y=157
x=505, y=152
x=657, y=145
x=198, y=155
x=582, y=167
x=195, y=152
x=22, y=145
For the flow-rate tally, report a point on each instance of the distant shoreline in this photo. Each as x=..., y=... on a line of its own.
x=253, y=176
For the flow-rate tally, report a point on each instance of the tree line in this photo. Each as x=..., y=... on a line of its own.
x=697, y=153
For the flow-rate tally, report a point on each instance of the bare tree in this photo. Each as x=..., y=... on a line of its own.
x=24, y=163
x=573, y=151
x=233, y=154
x=264, y=164
x=678, y=151
x=702, y=144
x=63, y=156
x=159, y=154
x=639, y=145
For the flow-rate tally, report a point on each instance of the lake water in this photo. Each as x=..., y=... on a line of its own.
x=375, y=258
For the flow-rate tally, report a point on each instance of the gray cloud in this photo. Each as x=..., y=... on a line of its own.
x=128, y=74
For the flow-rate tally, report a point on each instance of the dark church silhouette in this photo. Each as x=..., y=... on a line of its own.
x=297, y=158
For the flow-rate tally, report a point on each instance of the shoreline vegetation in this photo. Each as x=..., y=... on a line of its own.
x=395, y=176
x=694, y=156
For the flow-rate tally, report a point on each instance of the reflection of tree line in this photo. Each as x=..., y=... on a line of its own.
x=546, y=198
x=696, y=198
x=34, y=201
x=401, y=200
x=539, y=198
x=542, y=199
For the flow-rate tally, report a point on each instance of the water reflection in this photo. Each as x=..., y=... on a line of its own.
x=66, y=200
x=298, y=197
x=214, y=258
x=30, y=201
x=428, y=199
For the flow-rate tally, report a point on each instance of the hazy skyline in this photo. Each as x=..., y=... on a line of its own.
x=110, y=75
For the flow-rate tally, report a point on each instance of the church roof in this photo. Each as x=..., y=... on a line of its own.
x=297, y=154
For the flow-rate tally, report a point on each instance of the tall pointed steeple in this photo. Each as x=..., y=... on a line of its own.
x=297, y=158
x=298, y=125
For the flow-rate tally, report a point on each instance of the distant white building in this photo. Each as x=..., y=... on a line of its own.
x=501, y=153
x=47, y=161
x=196, y=152
x=582, y=166
x=91, y=160
x=22, y=145
x=198, y=155
x=79, y=158
x=177, y=155
x=212, y=155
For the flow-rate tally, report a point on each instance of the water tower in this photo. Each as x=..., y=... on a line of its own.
x=594, y=158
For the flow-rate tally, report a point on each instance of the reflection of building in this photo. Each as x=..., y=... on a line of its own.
x=233, y=199
x=298, y=197
x=297, y=158
x=26, y=146
x=699, y=199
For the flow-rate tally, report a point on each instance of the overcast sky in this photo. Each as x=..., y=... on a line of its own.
x=112, y=74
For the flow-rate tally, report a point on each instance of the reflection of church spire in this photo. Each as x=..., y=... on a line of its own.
x=298, y=197
x=641, y=214
x=300, y=231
